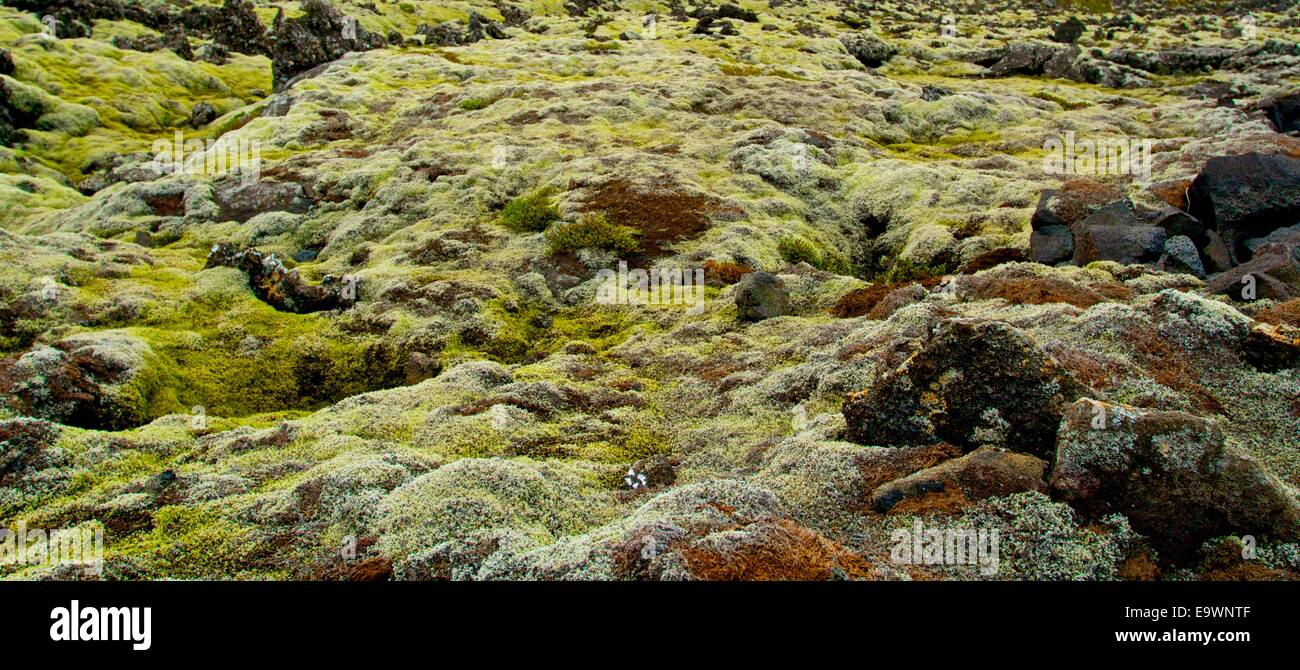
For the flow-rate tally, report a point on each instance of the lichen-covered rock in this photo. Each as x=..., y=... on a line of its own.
x=870, y=50
x=1171, y=474
x=973, y=383
x=1180, y=256
x=108, y=380
x=761, y=295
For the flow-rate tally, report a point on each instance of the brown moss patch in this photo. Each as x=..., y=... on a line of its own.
x=661, y=213
x=775, y=551
x=864, y=301
x=1041, y=291
x=993, y=258
x=724, y=273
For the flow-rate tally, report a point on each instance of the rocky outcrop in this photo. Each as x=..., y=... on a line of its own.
x=321, y=35
x=973, y=383
x=1171, y=474
x=460, y=33
x=870, y=50
x=283, y=288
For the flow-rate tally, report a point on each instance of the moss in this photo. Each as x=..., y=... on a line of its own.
x=473, y=104
x=531, y=213
x=799, y=250
x=593, y=231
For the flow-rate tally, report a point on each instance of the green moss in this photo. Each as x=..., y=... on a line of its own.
x=799, y=250
x=593, y=231
x=531, y=213
x=473, y=104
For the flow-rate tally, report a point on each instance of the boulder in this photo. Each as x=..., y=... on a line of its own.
x=1122, y=244
x=1068, y=31
x=1171, y=474
x=1283, y=112
x=1273, y=273
x=983, y=473
x=870, y=50
x=202, y=114
x=1180, y=257
x=239, y=201
x=973, y=383
x=1051, y=245
x=1247, y=196
x=105, y=380
x=761, y=295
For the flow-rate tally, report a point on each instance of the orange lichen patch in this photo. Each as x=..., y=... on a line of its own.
x=660, y=213
x=992, y=259
x=724, y=273
x=1173, y=193
x=1282, y=314
x=1040, y=291
x=771, y=551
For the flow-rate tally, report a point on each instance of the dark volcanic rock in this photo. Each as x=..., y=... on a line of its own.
x=1247, y=196
x=870, y=50
x=6, y=63
x=973, y=383
x=202, y=114
x=281, y=287
x=1171, y=474
x=239, y=201
x=761, y=295
x=983, y=473
x=1051, y=245
x=320, y=36
x=1116, y=232
x=1068, y=31
x=1273, y=273
x=1283, y=112
x=237, y=28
